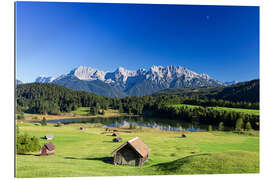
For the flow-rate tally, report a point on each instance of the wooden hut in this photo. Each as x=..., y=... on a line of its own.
x=116, y=134
x=117, y=139
x=134, y=152
x=82, y=128
x=47, y=149
x=183, y=135
x=48, y=137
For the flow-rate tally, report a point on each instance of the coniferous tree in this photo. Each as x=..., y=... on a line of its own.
x=221, y=126
x=239, y=124
x=43, y=121
x=210, y=128
x=248, y=126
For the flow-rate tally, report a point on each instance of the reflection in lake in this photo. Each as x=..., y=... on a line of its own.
x=151, y=122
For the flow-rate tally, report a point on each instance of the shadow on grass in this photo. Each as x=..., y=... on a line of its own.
x=108, y=141
x=176, y=164
x=108, y=160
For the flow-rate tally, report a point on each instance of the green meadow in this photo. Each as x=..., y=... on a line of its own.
x=87, y=153
x=248, y=111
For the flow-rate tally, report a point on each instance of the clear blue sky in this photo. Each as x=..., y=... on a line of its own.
x=53, y=38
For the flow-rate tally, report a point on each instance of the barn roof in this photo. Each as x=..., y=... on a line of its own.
x=49, y=146
x=138, y=146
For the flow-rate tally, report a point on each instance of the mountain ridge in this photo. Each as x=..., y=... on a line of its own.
x=123, y=82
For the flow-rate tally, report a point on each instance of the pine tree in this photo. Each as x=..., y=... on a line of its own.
x=121, y=108
x=221, y=126
x=248, y=126
x=43, y=122
x=210, y=128
x=239, y=124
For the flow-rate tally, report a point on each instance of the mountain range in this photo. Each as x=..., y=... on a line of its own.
x=123, y=82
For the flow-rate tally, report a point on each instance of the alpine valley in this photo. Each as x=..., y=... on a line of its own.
x=123, y=82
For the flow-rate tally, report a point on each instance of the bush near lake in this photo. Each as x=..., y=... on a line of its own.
x=58, y=124
x=43, y=122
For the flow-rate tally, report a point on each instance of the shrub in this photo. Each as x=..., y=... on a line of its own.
x=20, y=116
x=25, y=143
x=58, y=124
x=210, y=128
x=34, y=117
x=221, y=126
x=248, y=126
x=43, y=122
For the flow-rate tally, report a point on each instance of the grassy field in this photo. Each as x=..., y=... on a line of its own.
x=87, y=153
x=249, y=111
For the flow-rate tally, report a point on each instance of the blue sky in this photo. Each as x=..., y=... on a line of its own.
x=53, y=38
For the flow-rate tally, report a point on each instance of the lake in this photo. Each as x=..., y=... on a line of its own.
x=151, y=122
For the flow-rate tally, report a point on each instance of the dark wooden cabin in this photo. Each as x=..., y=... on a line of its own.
x=47, y=149
x=134, y=152
x=116, y=134
x=48, y=137
x=82, y=128
x=117, y=139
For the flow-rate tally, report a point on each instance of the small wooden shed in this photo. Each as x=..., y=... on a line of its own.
x=183, y=135
x=116, y=134
x=47, y=149
x=134, y=152
x=117, y=139
x=48, y=137
x=82, y=128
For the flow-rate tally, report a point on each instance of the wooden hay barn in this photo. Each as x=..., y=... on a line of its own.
x=134, y=152
x=183, y=135
x=116, y=134
x=82, y=128
x=47, y=149
x=117, y=139
x=48, y=137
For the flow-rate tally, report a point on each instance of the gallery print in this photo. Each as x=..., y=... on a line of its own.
x=109, y=89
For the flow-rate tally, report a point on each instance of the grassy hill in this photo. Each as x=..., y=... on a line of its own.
x=246, y=111
x=87, y=153
x=212, y=163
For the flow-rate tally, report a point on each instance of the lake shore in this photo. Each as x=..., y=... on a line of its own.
x=79, y=113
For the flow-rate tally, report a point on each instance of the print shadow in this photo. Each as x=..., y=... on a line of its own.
x=107, y=160
x=28, y=154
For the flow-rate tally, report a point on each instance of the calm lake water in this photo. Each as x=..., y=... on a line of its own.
x=151, y=122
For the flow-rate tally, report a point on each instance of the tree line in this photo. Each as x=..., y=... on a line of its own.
x=45, y=98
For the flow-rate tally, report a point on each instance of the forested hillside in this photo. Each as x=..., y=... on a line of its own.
x=244, y=91
x=52, y=99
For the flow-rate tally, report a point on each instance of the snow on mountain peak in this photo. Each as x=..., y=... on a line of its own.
x=124, y=78
x=205, y=76
x=121, y=74
x=88, y=73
